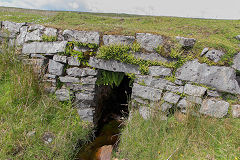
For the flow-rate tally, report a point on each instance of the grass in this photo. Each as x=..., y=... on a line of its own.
x=218, y=34
x=25, y=109
x=180, y=137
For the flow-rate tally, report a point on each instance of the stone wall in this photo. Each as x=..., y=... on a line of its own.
x=194, y=84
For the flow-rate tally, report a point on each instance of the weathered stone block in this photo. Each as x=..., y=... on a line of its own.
x=33, y=27
x=35, y=35
x=55, y=68
x=215, y=108
x=12, y=26
x=195, y=100
x=236, y=111
x=86, y=114
x=63, y=94
x=50, y=32
x=73, y=61
x=44, y=47
x=159, y=71
x=221, y=78
x=82, y=36
x=186, y=42
x=236, y=62
x=68, y=79
x=21, y=37
x=174, y=88
x=75, y=72
x=112, y=65
x=212, y=93
x=81, y=87
x=146, y=92
x=194, y=90
x=88, y=80
x=89, y=72
x=149, y=41
x=171, y=97
x=214, y=55
x=166, y=106
x=118, y=39
x=58, y=58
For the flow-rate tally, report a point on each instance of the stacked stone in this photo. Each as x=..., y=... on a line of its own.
x=69, y=81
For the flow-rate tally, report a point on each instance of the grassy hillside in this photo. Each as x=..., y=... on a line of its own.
x=208, y=32
x=181, y=137
x=27, y=116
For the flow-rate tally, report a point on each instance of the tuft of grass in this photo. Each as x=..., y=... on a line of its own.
x=180, y=137
x=26, y=114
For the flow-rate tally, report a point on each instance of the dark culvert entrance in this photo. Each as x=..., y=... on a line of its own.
x=112, y=108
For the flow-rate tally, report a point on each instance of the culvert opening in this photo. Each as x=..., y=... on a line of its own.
x=112, y=108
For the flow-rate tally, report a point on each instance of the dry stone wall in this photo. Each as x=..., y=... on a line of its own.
x=194, y=83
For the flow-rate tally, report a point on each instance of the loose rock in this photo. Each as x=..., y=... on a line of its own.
x=63, y=94
x=236, y=111
x=194, y=90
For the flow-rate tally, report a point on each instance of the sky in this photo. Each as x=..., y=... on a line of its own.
x=217, y=9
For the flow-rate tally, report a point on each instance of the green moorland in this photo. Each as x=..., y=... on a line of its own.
x=25, y=108
x=27, y=115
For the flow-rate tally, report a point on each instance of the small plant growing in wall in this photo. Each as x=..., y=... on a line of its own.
x=83, y=57
x=47, y=38
x=112, y=79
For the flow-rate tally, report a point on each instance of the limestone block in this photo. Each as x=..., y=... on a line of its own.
x=58, y=58
x=174, y=88
x=214, y=55
x=55, y=68
x=68, y=79
x=118, y=39
x=166, y=106
x=204, y=51
x=194, y=90
x=82, y=36
x=44, y=47
x=221, y=78
x=89, y=72
x=159, y=71
x=35, y=35
x=149, y=41
x=73, y=61
x=236, y=62
x=50, y=32
x=112, y=65
x=146, y=92
x=236, y=111
x=171, y=97
x=186, y=42
x=88, y=80
x=63, y=94
x=33, y=27
x=21, y=37
x=12, y=26
x=86, y=114
x=75, y=72
x=214, y=107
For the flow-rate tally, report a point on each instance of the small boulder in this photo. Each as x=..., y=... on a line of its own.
x=214, y=107
x=204, y=51
x=214, y=55
x=149, y=41
x=58, y=58
x=236, y=111
x=186, y=42
x=238, y=37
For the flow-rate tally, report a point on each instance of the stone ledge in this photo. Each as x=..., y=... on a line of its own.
x=112, y=65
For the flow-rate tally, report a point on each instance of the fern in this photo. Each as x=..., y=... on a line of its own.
x=112, y=79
